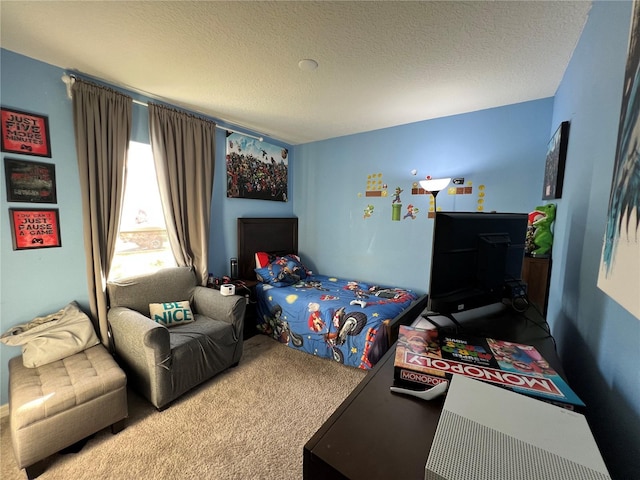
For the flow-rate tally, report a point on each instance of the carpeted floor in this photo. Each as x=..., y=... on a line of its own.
x=250, y=422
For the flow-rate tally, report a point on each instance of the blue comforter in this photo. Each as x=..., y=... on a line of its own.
x=331, y=317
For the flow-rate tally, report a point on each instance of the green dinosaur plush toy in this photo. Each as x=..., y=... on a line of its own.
x=540, y=221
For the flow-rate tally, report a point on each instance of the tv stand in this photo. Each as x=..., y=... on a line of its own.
x=430, y=318
x=376, y=434
x=459, y=319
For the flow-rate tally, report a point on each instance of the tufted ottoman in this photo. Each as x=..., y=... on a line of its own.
x=56, y=405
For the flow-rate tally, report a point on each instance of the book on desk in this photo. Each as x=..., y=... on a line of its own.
x=425, y=358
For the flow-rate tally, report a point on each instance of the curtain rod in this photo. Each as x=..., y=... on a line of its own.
x=69, y=80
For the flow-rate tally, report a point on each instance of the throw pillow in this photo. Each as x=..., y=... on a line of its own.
x=293, y=264
x=171, y=313
x=263, y=259
x=276, y=275
x=53, y=337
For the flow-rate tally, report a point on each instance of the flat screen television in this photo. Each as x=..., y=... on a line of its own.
x=476, y=258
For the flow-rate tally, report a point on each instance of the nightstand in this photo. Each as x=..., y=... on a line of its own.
x=247, y=288
x=536, y=272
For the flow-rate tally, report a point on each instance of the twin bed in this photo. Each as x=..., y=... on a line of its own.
x=350, y=321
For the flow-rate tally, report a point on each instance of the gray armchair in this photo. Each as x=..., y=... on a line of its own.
x=163, y=363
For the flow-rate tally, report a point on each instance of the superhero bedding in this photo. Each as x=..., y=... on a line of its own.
x=326, y=316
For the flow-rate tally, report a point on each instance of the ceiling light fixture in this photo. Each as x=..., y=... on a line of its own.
x=307, y=64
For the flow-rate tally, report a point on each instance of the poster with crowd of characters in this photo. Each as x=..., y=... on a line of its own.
x=256, y=169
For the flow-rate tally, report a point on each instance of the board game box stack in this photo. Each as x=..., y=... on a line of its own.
x=424, y=359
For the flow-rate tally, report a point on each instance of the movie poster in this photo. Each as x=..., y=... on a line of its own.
x=256, y=169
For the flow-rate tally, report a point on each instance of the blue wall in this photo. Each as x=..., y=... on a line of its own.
x=37, y=282
x=597, y=339
x=502, y=149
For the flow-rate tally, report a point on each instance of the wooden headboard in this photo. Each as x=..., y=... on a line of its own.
x=273, y=235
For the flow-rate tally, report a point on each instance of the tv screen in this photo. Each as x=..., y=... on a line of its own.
x=475, y=257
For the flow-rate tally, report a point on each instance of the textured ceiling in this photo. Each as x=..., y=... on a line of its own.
x=381, y=63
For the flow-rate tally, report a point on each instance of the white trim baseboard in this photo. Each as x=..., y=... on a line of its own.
x=4, y=411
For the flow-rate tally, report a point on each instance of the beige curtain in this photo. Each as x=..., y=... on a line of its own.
x=102, y=122
x=183, y=148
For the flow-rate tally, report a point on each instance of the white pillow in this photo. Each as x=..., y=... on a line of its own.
x=172, y=313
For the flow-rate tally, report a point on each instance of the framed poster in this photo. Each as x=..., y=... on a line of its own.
x=28, y=181
x=34, y=228
x=618, y=276
x=256, y=169
x=554, y=166
x=25, y=133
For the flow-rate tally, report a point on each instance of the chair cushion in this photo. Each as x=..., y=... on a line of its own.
x=199, y=348
x=174, y=284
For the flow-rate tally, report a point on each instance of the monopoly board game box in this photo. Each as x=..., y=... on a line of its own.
x=425, y=359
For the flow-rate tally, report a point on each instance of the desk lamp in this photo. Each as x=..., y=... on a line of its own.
x=433, y=186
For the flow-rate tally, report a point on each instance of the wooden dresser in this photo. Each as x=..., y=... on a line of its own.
x=536, y=272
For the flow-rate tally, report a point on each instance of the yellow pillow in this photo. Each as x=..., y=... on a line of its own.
x=172, y=313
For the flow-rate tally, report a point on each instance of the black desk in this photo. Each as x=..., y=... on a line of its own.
x=376, y=434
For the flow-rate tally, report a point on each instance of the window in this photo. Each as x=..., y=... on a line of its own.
x=142, y=245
